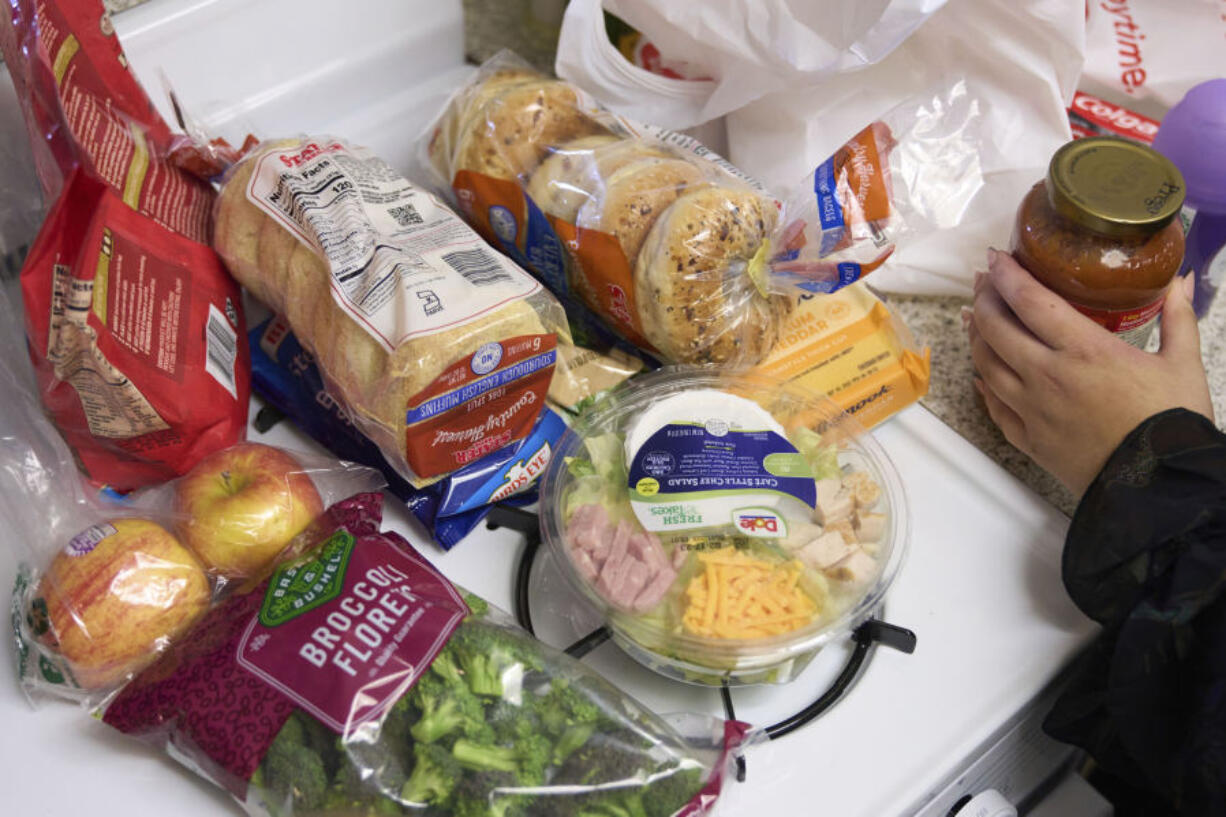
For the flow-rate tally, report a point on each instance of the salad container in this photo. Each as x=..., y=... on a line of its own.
x=726, y=526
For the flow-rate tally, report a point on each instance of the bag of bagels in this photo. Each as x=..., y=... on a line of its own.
x=672, y=248
x=440, y=348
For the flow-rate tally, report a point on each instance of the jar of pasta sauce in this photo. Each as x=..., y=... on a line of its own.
x=1101, y=231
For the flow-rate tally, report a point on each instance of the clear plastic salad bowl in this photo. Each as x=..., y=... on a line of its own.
x=726, y=526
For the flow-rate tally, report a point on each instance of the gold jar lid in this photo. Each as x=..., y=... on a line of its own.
x=1114, y=187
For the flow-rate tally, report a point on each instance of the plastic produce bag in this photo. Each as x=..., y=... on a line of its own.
x=440, y=349
x=285, y=374
x=356, y=680
x=1020, y=60
x=135, y=329
x=99, y=597
x=672, y=248
x=749, y=48
x=106, y=581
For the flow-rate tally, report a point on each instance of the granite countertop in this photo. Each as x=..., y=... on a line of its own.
x=937, y=323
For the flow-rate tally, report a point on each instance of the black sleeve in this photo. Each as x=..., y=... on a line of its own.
x=1145, y=557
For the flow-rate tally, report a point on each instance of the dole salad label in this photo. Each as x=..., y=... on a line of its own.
x=694, y=478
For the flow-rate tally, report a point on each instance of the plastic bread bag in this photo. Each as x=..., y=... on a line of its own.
x=440, y=349
x=672, y=248
x=135, y=329
x=356, y=680
x=285, y=375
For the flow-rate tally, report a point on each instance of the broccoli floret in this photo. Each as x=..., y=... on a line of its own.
x=571, y=741
x=666, y=796
x=527, y=759
x=478, y=606
x=362, y=783
x=511, y=722
x=435, y=774
x=444, y=665
x=293, y=773
x=617, y=755
x=484, y=653
x=445, y=708
x=563, y=706
x=490, y=794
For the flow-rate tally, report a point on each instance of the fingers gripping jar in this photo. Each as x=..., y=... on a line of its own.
x=1101, y=231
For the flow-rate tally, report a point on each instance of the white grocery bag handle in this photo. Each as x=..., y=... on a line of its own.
x=752, y=47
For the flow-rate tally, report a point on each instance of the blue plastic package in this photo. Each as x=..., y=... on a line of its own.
x=284, y=374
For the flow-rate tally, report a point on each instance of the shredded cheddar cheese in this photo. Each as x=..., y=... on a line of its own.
x=740, y=596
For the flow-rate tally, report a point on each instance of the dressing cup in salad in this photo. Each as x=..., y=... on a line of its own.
x=726, y=526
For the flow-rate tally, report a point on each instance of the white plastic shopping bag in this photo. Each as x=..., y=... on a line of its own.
x=1146, y=54
x=751, y=48
x=1021, y=59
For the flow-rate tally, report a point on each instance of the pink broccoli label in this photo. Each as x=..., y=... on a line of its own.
x=345, y=633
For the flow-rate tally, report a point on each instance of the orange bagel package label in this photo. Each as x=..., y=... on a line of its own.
x=479, y=404
x=585, y=269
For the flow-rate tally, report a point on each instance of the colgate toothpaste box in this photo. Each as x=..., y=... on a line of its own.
x=1091, y=116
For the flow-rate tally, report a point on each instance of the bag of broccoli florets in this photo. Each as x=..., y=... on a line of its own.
x=356, y=680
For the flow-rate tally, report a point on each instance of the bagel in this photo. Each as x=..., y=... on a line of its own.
x=375, y=385
x=509, y=133
x=579, y=170
x=634, y=197
x=694, y=296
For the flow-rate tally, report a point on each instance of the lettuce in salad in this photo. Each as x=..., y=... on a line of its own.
x=600, y=478
x=823, y=458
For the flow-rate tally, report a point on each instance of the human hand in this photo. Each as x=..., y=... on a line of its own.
x=1064, y=390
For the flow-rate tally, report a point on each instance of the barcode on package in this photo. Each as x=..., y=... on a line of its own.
x=406, y=215
x=477, y=266
x=220, y=350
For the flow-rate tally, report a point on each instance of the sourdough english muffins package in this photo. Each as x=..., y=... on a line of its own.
x=669, y=246
x=440, y=349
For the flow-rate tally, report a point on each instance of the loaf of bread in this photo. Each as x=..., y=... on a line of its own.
x=378, y=375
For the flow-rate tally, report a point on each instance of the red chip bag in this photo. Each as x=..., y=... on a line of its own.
x=134, y=327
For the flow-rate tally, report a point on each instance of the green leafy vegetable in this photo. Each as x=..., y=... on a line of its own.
x=823, y=458
x=486, y=732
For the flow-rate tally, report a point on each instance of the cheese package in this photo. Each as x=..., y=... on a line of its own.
x=582, y=375
x=667, y=246
x=440, y=349
x=849, y=346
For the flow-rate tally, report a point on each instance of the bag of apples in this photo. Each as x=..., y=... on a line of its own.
x=114, y=584
x=104, y=582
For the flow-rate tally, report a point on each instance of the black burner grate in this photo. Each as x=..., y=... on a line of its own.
x=866, y=637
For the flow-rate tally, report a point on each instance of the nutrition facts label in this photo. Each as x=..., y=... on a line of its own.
x=402, y=264
x=113, y=406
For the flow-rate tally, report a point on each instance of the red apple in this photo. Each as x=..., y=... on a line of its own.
x=117, y=594
x=239, y=507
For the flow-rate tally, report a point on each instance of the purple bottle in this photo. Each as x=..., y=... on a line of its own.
x=1193, y=136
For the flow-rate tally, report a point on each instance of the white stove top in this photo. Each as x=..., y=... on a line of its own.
x=980, y=587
